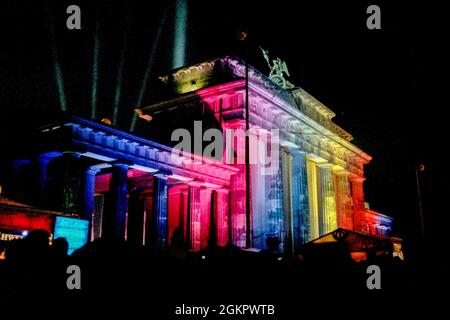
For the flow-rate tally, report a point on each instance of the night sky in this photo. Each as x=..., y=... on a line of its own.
x=380, y=83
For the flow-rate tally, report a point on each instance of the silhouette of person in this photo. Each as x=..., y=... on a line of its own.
x=177, y=239
x=60, y=248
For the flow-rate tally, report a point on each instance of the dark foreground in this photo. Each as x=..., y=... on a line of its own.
x=118, y=279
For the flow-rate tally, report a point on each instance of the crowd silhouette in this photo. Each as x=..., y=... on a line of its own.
x=115, y=273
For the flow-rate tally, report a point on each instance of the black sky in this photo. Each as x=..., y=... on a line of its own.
x=381, y=83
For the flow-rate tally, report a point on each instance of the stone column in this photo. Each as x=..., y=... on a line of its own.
x=88, y=190
x=160, y=212
x=64, y=181
x=238, y=203
x=300, y=201
x=313, y=197
x=115, y=219
x=177, y=198
x=275, y=206
x=205, y=215
x=289, y=198
x=193, y=217
x=343, y=200
x=72, y=177
x=212, y=239
x=327, y=203
x=238, y=183
x=358, y=201
x=222, y=216
x=259, y=147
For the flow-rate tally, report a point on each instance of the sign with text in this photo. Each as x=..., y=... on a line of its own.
x=74, y=230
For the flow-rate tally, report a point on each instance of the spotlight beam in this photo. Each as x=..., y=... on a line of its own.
x=120, y=70
x=57, y=67
x=148, y=69
x=95, y=73
x=179, y=43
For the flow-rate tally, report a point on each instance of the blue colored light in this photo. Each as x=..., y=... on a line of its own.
x=179, y=43
x=75, y=231
x=95, y=74
x=148, y=68
x=120, y=72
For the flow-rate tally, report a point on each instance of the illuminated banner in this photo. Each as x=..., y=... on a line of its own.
x=74, y=230
x=8, y=235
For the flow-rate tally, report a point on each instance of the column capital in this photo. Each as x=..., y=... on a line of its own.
x=97, y=167
x=162, y=175
x=119, y=203
x=325, y=165
x=342, y=172
x=235, y=124
x=196, y=183
x=223, y=189
x=160, y=210
x=93, y=170
x=72, y=154
x=121, y=163
x=210, y=186
x=258, y=130
x=355, y=178
x=48, y=156
x=294, y=149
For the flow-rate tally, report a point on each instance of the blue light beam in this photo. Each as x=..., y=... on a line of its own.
x=57, y=67
x=179, y=43
x=95, y=73
x=148, y=69
x=120, y=70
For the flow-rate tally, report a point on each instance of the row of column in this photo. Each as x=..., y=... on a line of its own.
x=202, y=227
x=358, y=201
x=215, y=226
x=318, y=198
x=296, y=206
x=120, y=201
x=66, y=183
x=208, y=217
x=302, y=201
x=123, y=214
